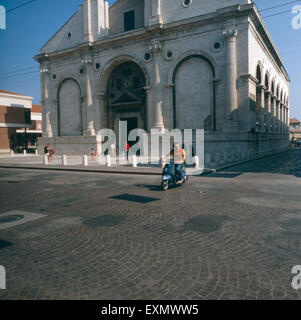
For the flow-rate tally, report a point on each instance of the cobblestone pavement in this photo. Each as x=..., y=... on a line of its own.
x=229, y=235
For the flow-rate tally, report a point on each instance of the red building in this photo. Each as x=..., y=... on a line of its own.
x=20, y=122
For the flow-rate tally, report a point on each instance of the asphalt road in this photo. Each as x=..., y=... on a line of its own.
x=230, y=235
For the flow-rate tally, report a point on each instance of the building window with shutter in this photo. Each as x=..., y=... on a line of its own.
x=129, y=20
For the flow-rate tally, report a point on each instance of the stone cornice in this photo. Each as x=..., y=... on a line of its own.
x=249, y=77
x=264, y=33
x=149, y=32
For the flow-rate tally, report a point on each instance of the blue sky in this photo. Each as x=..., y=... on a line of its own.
x=29, y=28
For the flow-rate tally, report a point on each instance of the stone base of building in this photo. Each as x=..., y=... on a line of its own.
x=220, y=148
x=80, y=145
x=229, y=148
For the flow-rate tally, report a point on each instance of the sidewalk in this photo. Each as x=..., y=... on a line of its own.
x=75, y=163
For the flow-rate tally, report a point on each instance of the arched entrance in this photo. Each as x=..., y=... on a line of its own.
x=126, y=97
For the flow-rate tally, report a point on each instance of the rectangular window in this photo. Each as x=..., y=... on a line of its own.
x=27, y=119
x=129, y=20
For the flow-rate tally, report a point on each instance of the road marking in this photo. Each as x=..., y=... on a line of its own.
x=27, y=217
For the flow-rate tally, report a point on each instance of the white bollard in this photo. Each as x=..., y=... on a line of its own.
x=196, y=162
x=109, y=162
x=24, y=152
x=134, y=161
x=64, y=160
x=85, y=160
x=12, y=153
x=37, y=152
x=45, y=160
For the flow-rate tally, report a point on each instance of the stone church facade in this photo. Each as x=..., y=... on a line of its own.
x=164, y=64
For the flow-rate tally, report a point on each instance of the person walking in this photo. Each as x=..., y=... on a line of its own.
x=126, y=149
x=92, y=154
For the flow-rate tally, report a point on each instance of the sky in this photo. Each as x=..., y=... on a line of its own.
x=29, y=27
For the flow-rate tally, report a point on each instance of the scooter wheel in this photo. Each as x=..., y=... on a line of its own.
x=164, y=185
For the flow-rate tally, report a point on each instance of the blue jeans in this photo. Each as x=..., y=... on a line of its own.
x=179, y=170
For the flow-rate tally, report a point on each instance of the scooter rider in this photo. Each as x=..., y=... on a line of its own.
x=179, y=157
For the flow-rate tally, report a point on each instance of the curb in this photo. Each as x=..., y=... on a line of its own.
x=81, y=170
x=111, y=171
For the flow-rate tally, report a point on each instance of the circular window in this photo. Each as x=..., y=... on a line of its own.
x=186, y=3
x=217, y=46
x=147, y=56
x=97, y=66
x=169, y=55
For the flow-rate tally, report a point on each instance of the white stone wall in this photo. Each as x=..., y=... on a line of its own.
x=116, y=13
x=259, y=55
x=174, y=10
x=61, y=40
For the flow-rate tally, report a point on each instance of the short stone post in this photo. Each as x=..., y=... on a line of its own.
x=163, y=162
x=37, y=152
x=12, y=153
x=134, y=161
x=64, y=160
x=85, y=160
x=45, y=160
x=196, y=162
x=24, y=152
x=109, y=162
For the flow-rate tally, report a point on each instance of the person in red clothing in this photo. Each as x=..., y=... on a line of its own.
x=126, y=149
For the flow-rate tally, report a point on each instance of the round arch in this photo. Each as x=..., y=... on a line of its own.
x=259, y=72
x=69, y=107
x=208, y=62
x=124, y=87
x=114, y=63
x=267, y=81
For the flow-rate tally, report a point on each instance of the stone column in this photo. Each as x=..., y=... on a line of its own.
x=281, y=118
x=103, y=117
x=274, y=114
x=87, y=36
x=284, y=119
x=156, y=50
x=278, y=115
x=89, y=123
x=260, y=107
x=268, y=111
x=149, y=101
x=287, y=119
x=155, y=13
x=46, y=103
x=230, y=35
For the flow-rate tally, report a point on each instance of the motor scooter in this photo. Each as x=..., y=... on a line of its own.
x=170, y=176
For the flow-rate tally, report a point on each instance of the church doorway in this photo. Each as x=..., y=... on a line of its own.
x=126, y=97
x=132, y=124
